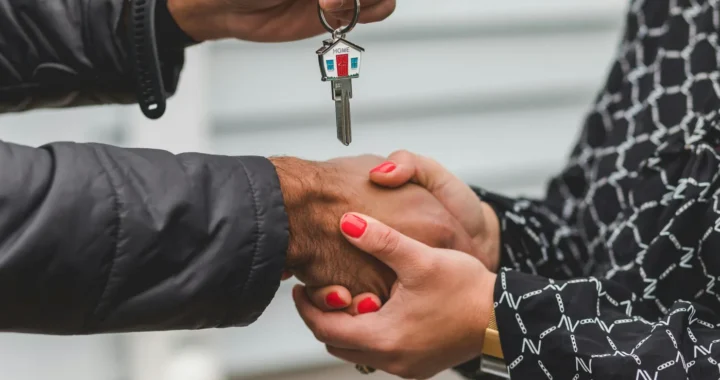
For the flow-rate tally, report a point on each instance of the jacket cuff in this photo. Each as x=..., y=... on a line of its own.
x=272, y=237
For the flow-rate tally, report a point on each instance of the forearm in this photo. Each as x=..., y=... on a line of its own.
x=103, y=239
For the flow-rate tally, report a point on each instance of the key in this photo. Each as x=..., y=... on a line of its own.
x=342, y=93
x=339, y=61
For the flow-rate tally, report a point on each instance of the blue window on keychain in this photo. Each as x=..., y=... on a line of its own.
x=330, y=65
x=354, y=63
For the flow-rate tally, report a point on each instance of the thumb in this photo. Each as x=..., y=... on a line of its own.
x=402, y=254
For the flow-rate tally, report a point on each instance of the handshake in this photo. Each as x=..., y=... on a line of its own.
x=404, y=234
x=412, y=194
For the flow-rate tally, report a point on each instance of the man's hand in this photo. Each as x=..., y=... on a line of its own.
x=477, y=217
x=268, y=20
x=317, y=194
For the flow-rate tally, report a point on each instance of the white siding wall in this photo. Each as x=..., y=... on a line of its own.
x=495, y=90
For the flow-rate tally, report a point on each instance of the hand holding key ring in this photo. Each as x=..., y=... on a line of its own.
x=340, y=31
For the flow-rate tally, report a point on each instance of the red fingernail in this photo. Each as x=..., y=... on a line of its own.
x=385, y=167
x=367, y=306
x=333, y=300
x=353, y=225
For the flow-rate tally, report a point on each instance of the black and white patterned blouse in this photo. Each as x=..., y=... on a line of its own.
x=614, y=275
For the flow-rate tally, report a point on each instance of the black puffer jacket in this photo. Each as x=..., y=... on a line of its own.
x=95, y=238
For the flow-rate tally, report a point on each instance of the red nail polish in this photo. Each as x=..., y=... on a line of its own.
x=333, y=300
x=367, y=306
x=353, y=225
x=385, y=167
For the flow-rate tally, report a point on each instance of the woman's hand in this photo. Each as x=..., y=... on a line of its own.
x=269, y=20
x=477, y=218
x=436, y=315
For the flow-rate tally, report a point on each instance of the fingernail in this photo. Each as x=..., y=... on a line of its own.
x=353, y=225
x=333, y=300
x=385, y=167
x=367, y=306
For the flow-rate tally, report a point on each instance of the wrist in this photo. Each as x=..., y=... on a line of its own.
x=304, y=186
x=170, y=35
x=200, y=20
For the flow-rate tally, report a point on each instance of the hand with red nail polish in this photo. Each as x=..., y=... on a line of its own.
x=436, y=316
x=477, y=218
x=317, y=194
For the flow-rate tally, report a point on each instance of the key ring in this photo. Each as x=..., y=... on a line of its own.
x=340, y=31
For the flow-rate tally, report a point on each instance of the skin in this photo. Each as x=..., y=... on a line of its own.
x=268, y=20
x=317, y=194
x=435, y=319
x=421, y=326
x=476, y=217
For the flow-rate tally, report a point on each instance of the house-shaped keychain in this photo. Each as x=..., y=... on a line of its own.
x=339, y=59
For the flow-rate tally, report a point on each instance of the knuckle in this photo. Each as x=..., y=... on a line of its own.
x=402, y=156
x=387, y=241
x=444, y=233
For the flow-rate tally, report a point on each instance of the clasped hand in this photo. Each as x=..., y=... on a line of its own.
x=440, y=303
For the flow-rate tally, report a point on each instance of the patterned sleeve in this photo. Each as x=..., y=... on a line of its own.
x=635, y=299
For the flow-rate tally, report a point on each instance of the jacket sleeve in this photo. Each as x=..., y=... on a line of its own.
x=96, y=239
x=68, y=53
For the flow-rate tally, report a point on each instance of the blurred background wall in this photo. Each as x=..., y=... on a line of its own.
x=494, y=90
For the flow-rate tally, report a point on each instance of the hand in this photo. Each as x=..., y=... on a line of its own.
x=477, y=218
x=268, y=20
x=435, y=319
x=317, y=194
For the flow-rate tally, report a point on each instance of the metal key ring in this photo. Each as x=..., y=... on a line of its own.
x=340, y=31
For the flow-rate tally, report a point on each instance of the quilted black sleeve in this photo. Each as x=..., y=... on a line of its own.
x=96, y=239
x=69, y=53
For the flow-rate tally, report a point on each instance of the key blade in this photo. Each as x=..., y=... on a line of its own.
x=342, y=92
x=342, y=115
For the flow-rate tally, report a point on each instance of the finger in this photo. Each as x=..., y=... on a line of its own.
x=364, y=303
x=330, y=298
x=402, y=254
x=393, y=174
x=286, y=275
x=346, y=5
x=454, y=194
x=370, y=11
x=338, y=329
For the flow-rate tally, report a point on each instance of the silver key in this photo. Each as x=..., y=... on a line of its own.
x=340, y=61
x=342, y=93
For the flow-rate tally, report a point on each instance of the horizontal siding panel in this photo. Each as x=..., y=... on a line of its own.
x=491, y=150
x=278, y=81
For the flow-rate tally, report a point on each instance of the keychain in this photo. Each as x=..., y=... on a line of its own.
x=340, y=62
